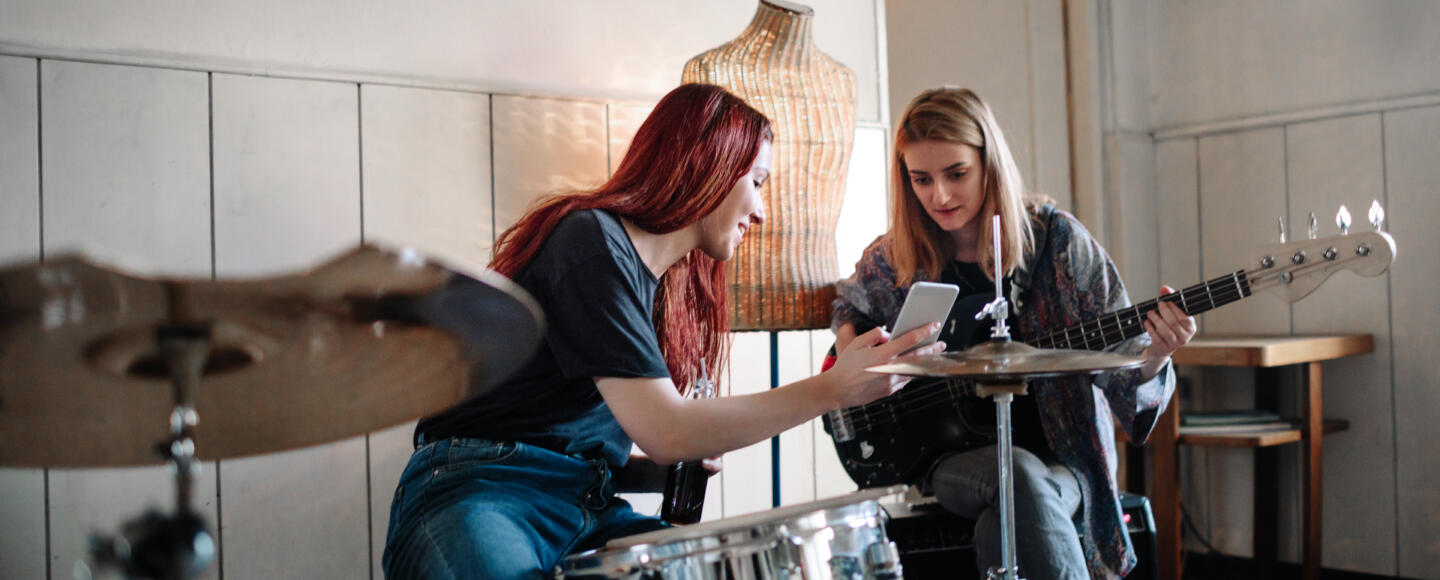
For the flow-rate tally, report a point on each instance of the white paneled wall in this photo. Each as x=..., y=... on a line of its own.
x=287, y=172
x=426, y=176
x=749, y=373
x=1411, y=148
x=287, y=195
x=19, y=159
x=544, y=146
x=1379, y=502
x=1218, y=61
x=1011, y=54
x=1242, y=193
x=127, y=170
x=126, y=177
x=604, y=50
x=797, y=446
x=1177, y=197
x=1329, y=163
x=23, y=508
x=427, y=171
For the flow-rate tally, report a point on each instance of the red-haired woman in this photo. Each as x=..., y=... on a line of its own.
x=629, y=276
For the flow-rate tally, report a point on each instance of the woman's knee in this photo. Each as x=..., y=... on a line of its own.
x=1032, y=476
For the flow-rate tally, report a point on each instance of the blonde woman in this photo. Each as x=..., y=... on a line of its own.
x=952, y=171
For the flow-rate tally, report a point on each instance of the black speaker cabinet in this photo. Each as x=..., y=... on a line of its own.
x=1135, y=509
x=934, y=543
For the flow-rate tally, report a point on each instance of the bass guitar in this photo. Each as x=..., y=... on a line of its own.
x=893, y=439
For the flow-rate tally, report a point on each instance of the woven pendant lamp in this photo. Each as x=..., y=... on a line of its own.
x=783, y=277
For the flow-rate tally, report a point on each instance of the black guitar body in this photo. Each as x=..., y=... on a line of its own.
x=894, y=440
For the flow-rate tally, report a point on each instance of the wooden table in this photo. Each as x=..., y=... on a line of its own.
x=1275, y=359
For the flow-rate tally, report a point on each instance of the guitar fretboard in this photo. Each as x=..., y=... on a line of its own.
x=1127, y=323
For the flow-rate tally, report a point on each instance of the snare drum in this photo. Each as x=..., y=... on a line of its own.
x=841, y=537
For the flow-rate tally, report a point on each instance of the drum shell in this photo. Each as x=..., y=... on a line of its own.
x=831, y=541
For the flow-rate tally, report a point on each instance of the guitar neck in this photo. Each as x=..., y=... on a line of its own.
x=1121, y=325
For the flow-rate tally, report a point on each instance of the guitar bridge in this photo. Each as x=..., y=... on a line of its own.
x=841, y=429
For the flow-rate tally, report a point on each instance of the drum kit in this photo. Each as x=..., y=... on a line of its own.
x=100, y=368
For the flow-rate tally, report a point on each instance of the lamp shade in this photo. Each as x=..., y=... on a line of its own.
x=783, y=276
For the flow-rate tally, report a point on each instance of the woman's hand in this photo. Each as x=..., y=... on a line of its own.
x=852, y=385
x=1170, y=328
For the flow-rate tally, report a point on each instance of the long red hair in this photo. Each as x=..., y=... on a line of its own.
x=687, y=155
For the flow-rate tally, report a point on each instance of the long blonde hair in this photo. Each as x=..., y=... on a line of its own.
x=918, y=245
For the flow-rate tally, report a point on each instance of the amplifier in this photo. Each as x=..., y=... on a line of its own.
x=934, y=543
x=1140, y=522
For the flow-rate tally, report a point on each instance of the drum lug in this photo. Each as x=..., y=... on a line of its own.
x=846, y=568
x=883, y=559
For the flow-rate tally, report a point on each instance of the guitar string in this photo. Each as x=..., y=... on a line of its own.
x=928, y=397
x=1238, y=285
x=887, y=409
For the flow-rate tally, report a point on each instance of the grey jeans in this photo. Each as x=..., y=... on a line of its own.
x=1046, y=498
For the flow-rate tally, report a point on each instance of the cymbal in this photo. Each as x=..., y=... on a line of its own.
x=1008, y=362
x=367, y=340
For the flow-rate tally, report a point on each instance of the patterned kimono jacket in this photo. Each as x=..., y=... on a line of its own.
x=1067, y=280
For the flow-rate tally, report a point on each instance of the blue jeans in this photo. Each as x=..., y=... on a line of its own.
x=1046, y=497
x=477, y=508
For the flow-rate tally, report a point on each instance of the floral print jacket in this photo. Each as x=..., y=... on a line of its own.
x=1069, y=279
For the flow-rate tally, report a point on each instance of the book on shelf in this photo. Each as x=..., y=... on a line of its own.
x=1236, y=428
x=1228, y=417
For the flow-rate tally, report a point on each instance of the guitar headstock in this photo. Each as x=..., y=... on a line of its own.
x=1293, y=270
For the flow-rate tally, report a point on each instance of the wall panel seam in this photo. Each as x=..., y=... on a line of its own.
x=360, y=182
x=45, y=473
x=219, y=524
x=1030, y=94
x=1285, y=173
x=40, y=174
x=490, y=107
x=301, y=73
x=1394, y=406
x=1297, y=116
x=210, y=138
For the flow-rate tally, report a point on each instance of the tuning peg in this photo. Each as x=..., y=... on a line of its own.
x=1342, y=219
x=1377, y=214
x=1313, y=224
x=1281, y=221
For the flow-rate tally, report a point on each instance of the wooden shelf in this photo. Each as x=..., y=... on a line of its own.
x=1270, y=351
x=1266, y=438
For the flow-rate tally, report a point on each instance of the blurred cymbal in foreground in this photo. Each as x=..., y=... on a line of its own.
x=367, y=340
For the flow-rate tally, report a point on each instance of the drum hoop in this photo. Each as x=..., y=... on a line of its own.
x=655, y=557
x=755, y=520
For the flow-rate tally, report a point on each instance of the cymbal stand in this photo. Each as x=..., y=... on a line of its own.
x=1003, y=393
x=174, y=546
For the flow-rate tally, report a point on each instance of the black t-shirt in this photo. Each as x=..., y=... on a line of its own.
x=961, y=331
x=598, y=296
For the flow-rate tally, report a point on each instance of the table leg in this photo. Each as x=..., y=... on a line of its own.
x=1314, y=449
x=1166, y=490
x=1265, y=542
